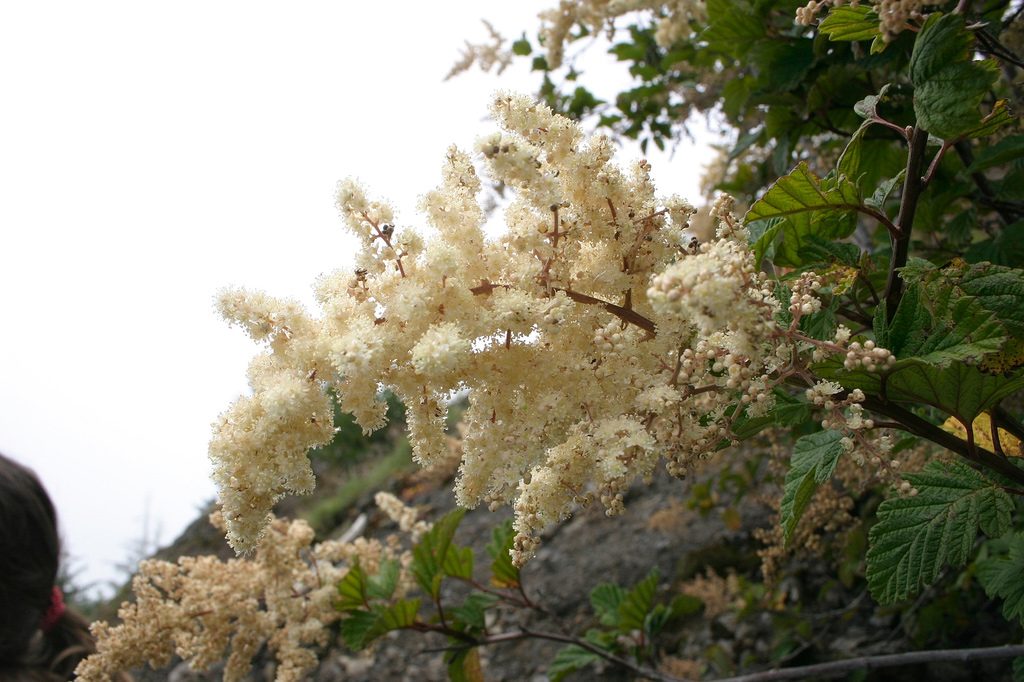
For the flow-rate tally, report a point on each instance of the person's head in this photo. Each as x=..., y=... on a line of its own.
x=39, y=638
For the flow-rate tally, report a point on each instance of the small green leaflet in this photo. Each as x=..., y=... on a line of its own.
x=638, y=602
x=916, y=537
x=352, y=589
x=569, y=659
x=806, y=206
x=1001, y=574
x=605, y=600
x=868, y=107
x=813, y=462
x=435, y=556
x=850, y=23
x=382, y=585
x=472, y=611
x=503, y=571
x=948, y=84
x=360, y=628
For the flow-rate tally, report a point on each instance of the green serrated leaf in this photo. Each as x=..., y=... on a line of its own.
x=605, y=599
x=940, y=327
x=807, y=206
x=382, y=585
x=948, y=84
x=522, y=47
x=638, y=602
x=882, y=192
x=1006, y=248
x=958, y=390
x=1001, y=575
x=813, y=462
x=1004, y=151
x=464, y=663
x=732, y=27
x=458, y=563
x=503, y=572
x=353, y=589
x=685, y=605
x=356, y=627
x=998, y=289
x=431, y=555
x=999, y=117
x=849, y=161
x=473, y=610
x=851, y=23
x=569, y=659
x=763, y=234
x=868, y=107
x=917, y=536
x=825, y=251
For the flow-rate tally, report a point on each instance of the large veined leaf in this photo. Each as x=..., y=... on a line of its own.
x=1001, y=574
x=997, y=288
x=935, y=324
x=850, y=23
x=813, y=462
x=806, y=206
x=948, y=84
x=958, y=390
x=733, y=27
x=917, y=536
x=999, y=117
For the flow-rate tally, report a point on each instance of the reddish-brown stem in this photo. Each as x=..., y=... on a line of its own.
x=912, y=188
x=624, y=314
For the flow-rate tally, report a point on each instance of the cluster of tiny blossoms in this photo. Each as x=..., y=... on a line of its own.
x=673, y=20
x=206, y=610
x=594, y=338
x=894, y=16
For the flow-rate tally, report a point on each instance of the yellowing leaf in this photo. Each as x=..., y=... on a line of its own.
x=982, y=428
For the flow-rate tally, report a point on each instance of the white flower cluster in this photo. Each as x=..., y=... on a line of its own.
x=594, y=338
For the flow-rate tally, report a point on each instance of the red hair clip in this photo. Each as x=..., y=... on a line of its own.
x=55, y=611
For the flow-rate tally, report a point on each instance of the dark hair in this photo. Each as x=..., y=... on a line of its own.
x=29, y=555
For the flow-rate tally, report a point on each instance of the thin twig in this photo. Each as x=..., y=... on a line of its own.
x=836, y=668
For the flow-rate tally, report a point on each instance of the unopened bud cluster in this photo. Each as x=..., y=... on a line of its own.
x=868, y=356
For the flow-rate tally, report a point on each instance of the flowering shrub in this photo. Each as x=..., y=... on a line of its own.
x=873, y=290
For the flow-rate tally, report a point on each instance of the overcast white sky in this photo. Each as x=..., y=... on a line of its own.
x=153, y=153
